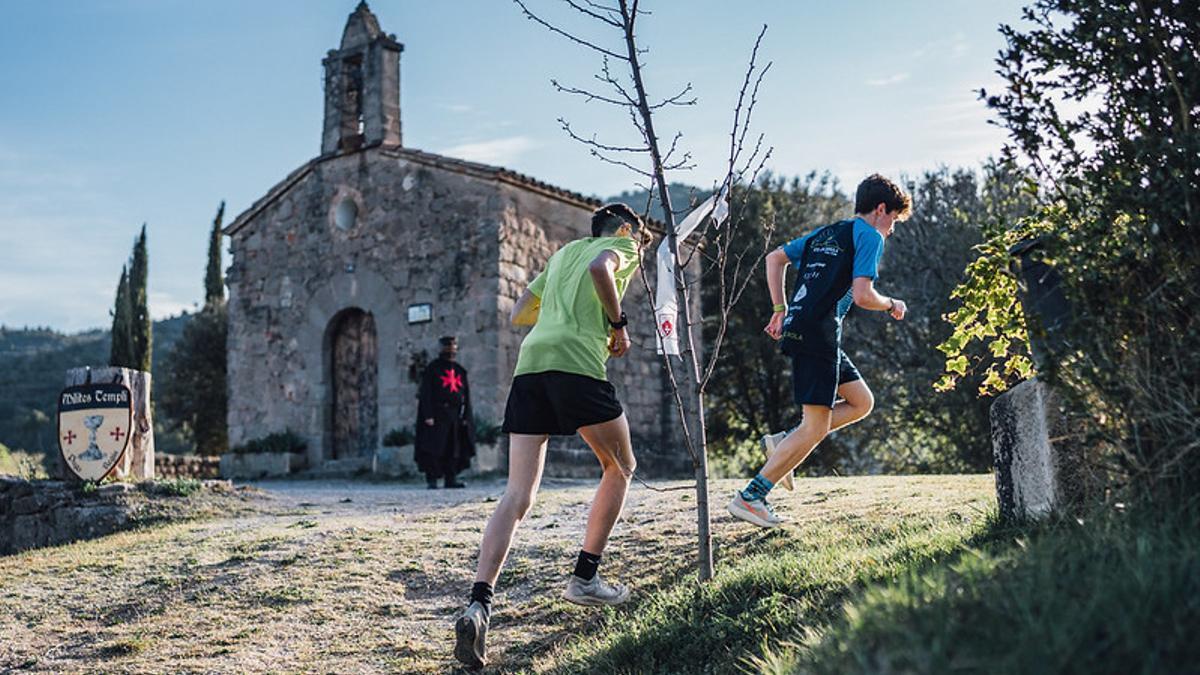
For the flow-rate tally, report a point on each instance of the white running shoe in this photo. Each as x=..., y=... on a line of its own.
x=470, y=631
x=758, y=512
x=771, y=442
x=595, y=592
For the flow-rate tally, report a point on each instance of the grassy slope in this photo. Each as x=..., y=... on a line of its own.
x=375, y=590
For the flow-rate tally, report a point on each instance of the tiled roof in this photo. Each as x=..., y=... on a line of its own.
x=460, y=166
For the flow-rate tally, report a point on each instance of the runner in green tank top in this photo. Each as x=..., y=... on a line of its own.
x=560, y=388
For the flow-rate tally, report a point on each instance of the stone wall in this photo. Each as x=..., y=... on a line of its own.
x=186, y=466
x=44, y=513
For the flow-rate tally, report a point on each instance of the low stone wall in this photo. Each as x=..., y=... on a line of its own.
x=186, y=466
x=255, y=465
x=41, y=513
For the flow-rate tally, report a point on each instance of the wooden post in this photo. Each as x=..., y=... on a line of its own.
x=138, y=462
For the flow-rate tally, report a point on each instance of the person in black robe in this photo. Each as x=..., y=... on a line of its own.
x=445, y=425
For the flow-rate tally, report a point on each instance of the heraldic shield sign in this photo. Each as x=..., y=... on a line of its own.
x=94, y=422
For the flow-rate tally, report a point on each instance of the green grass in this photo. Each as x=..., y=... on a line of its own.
x=1115, y=594
x=1119, y=593
x=765, y=589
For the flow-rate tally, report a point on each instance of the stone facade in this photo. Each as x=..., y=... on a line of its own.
x=370, y=228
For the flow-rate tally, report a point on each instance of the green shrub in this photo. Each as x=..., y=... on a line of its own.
x=400, y=436
x=178, y=487
x=286, y=441
x=486, y=432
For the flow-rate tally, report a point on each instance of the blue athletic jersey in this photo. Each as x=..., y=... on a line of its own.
x=827, y=260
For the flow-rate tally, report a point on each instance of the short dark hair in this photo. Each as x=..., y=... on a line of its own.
x=608, y=219
x=448, y=340
x=876, y=190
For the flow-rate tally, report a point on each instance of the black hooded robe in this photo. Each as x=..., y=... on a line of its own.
x=447, y=447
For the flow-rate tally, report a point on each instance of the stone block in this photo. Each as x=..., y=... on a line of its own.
x=250, y=466
x=394, y=462
x=488, y=458
x=1037, y=472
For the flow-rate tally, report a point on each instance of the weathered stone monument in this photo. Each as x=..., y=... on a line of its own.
x=350, y=268
x=1038, y=469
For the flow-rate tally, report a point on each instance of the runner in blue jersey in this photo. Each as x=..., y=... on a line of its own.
x=836, y=266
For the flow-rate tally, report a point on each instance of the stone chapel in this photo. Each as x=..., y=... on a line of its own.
x=346, y=272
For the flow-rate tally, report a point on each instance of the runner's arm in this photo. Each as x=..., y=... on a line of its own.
x=525, y=312
x=868, y=298
x=777, y=262
x=603, y=270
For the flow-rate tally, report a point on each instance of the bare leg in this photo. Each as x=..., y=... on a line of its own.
x=857, y=403
x=795, y=448
x=610, y=441
x=526, y=457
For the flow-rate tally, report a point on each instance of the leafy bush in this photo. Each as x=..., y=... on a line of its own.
x=486, y=432
x=1120, y=169
x=398, y=437
x=179, y=487
x=286, y=441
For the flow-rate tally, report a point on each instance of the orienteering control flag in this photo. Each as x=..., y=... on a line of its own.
x=666, y=302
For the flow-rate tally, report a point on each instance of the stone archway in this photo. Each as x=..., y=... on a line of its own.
x=354, y=389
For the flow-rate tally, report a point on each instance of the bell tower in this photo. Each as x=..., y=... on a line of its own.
x=362, y=87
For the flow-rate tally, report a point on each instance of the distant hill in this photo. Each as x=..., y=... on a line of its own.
x=33, y=363
x=683, y=197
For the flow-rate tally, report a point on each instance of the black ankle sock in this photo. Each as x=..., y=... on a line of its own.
x=481, y=592
x=586, y=565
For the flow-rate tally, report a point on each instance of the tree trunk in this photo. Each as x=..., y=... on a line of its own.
x=138, y=460
x=691, y=358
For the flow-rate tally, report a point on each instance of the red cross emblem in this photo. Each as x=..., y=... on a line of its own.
x=70, y=437
x=117, y=434
x=451, y=380
x=667, y=327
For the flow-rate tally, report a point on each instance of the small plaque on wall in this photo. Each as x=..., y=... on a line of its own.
x=422, y=313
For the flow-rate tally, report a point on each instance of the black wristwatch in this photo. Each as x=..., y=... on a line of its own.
x=619, y=324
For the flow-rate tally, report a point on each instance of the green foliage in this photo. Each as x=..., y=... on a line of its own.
x=121, y=350
x=140, y=324
x=178, y=487
x=285, y=441
x=193, y=390
x=399, y=437
x=990, y=316
x=1102, y=102
x=214, y=281
x=486, y=432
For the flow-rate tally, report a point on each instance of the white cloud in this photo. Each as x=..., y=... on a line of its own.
x=499, y=151
x=163, y=305
x=887, y=81
x=457, y=107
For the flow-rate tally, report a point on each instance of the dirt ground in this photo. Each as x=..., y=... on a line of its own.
x=345, y=577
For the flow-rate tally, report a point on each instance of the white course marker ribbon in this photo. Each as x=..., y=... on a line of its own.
x=666, y=302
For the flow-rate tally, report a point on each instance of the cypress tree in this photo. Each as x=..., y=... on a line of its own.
x=121, y=353
x=140, y=316
x=214, y=281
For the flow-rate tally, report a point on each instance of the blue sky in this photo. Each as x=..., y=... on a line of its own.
x=119, y=112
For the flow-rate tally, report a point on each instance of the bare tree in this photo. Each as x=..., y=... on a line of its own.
x=724, y=259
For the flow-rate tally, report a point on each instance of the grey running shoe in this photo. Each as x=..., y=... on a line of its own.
x=770, y=442
x=595, y=592
x=471, y=630
x=758, y=512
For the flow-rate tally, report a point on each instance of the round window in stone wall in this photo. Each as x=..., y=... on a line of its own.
x=346, y=214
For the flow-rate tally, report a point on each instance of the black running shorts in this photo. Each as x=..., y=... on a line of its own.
x=815, y=379
x=558, y=403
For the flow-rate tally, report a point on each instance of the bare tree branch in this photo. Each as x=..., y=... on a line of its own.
x=554, y=29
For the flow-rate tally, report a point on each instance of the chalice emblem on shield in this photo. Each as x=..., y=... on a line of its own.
x=92, y=422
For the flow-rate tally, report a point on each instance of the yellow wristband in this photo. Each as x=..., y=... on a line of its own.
x=780, y=308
